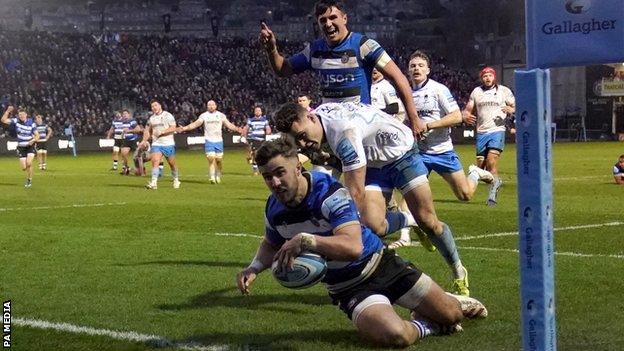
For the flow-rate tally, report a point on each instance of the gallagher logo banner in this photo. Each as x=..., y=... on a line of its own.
x=574, y=32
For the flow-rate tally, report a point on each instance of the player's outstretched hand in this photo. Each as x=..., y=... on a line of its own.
x=267, y=38
x=244, y=279
x=10, y=109
x=285, y=256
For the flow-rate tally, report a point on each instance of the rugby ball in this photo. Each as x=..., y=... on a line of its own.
x=308, y=269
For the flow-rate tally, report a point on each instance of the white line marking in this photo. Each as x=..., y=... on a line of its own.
x=239, y=235
x=573, y=254
x=576, y=227
x=151, y=340
x=7, y=209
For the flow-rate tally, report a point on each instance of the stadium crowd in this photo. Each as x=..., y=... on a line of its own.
x=82, y=79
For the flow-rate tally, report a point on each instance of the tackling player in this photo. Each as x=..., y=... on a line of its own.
x=213, y=122
x=313, y=212
x=377, y=154
x=255, y=133
x=160, y=127
x=27, y=136
x=494, y=103
x=45, y=133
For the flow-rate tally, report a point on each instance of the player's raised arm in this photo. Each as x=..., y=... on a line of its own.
x=280, y=65
x=6, y=116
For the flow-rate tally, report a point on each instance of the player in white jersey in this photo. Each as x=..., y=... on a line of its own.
x=160, y=127
x=45, y=133
x=494, y=103
x=213, y=122
x=377, y=154
x=384, y=96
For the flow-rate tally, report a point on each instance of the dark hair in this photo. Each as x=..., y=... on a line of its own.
x=126, y=110
x=155, y=100
x=323, y=5
x=287, y=114
x=283, y=146
x=622, y=156
x=302, y=95
x=422, y=55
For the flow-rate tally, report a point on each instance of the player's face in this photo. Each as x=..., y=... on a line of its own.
x=418, y=70
x=281, y=176
x=38, y=119
x=333, y=23
x=212, y=106
x=376, y=75
x=308, y=132
x=621, y=162
x=156, y=108
x=22, y=116
x=126, y=115
x=303, y=101
x=488, y=79
x=257, y=112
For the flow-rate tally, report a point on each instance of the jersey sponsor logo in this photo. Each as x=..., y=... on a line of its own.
x=384, y=137
x=346, y=152
x=328, y=79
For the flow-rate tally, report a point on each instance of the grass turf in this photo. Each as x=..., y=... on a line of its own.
x=128, y=259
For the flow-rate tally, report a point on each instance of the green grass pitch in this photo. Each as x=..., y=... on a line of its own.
x=91, y=248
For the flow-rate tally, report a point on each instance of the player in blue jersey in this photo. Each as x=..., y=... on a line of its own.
x=313, y=212
x=618, y=171
x=344, y=61
x=115, y=132
x=255, y=133
x=378, y=155
x=129, y=129
x=45, y=133
x=27, y=135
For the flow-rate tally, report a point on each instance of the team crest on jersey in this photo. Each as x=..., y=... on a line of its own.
x=344, y=58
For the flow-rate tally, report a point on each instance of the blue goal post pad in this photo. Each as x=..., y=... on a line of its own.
x=574, y=32
x=535, y=209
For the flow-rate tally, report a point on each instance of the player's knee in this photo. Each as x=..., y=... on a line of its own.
x=429, y=223
x=390, y=335
x=464, y=195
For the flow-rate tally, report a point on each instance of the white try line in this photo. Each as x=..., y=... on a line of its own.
x=557, y=253
x=149, y=339
x=574, y=227
x=7, y=209
x=240, y=235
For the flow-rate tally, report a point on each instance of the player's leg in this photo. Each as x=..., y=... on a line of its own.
x=254, y=146
x=125, y=151
x=378, y=190
x=218, y=160
x=463, y=187
x=156, y=157
x=494, y=148
x=405, y=238
x=44, y=158
x=210, y=157
x=115, y=155
x=40, y=158
x=171, y=160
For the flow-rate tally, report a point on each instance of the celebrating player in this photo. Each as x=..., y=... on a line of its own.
x=45, y=133
x=27, y=136
x=494, y=103
x=255, y=133
x=343, y=59
x=313, y=212
x=377, y=155
x=213, y=122
x=160, y=127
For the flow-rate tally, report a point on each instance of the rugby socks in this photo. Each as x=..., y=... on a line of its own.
x=473, y=177
x=445, y=243
x=425, y=328
x=115, y=164
x=405, y=234
x=174, y=174
x=395, y=220
x=155, y=172
x=160, y=169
